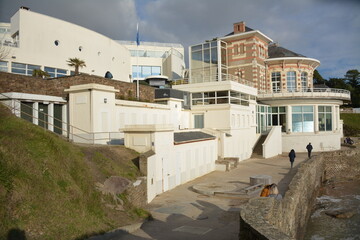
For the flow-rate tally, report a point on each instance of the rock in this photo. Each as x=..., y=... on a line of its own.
x=340, y=213
x=116, y=184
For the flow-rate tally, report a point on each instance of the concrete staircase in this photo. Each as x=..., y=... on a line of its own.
x=226, y=164
x=257, y=151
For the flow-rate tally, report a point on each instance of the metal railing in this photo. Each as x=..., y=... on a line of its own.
x=306, y=92
x=71, y=132
x=224, y=77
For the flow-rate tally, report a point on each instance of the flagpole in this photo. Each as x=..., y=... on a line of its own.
x=137, y=61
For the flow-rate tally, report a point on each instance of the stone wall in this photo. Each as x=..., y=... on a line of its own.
x=55, y=86
x=267, y=218
x=137, y=193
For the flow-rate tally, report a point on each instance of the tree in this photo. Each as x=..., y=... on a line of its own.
x=318, y=79
x=77, y=63
x=353, y=78
x=40, y=73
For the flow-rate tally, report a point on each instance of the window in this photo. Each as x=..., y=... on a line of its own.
x=291, y=81
x=3, y=66
x=304, y=79
x=56, y=42
x=145, y=71
x=24, y=69
x=302, y=118
x=55, y=72
x=199, y=121
x=325, y=118
x=275, y=80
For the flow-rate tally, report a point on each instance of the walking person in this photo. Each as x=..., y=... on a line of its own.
x=309, y=149
x=292, y=157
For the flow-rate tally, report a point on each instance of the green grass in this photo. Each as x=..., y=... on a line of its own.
x=47, y=188
x=351, y=124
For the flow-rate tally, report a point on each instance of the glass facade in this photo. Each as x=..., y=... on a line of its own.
x=291, y=81
x=205, y=61
x=325, y=118
x=303, y=119
x=145, y=71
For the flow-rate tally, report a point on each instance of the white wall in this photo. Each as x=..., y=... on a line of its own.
x=272, y=146
x=38, y=32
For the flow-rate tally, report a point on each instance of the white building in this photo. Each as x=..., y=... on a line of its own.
x=37, y=41
x=152, y=58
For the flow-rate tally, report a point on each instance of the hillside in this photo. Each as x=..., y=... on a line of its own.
x=351, y=124
x=47, y=185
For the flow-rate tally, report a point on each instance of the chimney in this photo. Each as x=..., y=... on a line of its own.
x=239, y=27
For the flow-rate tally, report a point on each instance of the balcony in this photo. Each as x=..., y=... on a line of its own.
x=311, y=93
x=201, y=78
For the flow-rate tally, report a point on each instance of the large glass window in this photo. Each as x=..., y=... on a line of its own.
x=291, y=81
x=302, y=118
x=55, y=72
x=325, y=118
x=3, y=66
x=304, y=80
x=145, y=71
x=275, y=80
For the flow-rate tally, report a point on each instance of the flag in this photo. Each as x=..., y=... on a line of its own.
x=137, y=35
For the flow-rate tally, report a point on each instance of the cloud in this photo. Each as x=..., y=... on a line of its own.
x=328, y=30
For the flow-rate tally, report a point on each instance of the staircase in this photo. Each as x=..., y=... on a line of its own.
x=258, y=150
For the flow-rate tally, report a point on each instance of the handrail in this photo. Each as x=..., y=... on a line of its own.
x=224, y=77
x=68, y=132
x=307, y=90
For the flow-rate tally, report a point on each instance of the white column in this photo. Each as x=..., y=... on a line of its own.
x=36, y=113
x=316, y=119
x=64, y=119
x=288, y=119
x=51, y=117
x=16, y=105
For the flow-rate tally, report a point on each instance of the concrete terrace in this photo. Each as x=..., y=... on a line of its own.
x=184, y=214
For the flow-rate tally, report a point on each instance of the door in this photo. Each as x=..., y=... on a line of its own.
x=43, y=115
x=26, y=109
x=58, y=118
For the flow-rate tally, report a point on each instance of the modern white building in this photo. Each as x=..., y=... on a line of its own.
x=153, y=58
x=243, y=93
x=37, y=41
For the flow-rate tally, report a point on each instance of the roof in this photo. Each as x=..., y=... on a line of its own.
x=247, y=29
x=185, y=137
x=275, y=51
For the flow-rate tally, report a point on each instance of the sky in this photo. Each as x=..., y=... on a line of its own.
x=327, y=30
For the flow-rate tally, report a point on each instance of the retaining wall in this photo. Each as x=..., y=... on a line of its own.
x=10, y=82
x=267, y=218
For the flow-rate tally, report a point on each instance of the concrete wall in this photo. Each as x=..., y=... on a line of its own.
x=273, y=143
x=169, y=165
x=267, y=218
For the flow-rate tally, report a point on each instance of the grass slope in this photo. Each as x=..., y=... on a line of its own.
x=47, y=185
x=351, y=124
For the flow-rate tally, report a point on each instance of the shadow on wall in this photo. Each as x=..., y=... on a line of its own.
x=16, y=234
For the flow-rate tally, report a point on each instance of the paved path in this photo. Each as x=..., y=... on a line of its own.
x=183, y=214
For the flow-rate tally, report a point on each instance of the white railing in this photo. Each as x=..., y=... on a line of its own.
x=216, y=77
x=307, y=92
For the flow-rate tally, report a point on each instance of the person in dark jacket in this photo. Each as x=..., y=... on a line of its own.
x=309, y=149
x=292, y=157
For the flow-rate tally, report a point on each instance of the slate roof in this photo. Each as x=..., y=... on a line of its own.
x=183, y=137
x=247, y=29
x=276, y=51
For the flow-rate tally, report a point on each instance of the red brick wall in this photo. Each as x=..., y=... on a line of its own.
x=55, y=87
